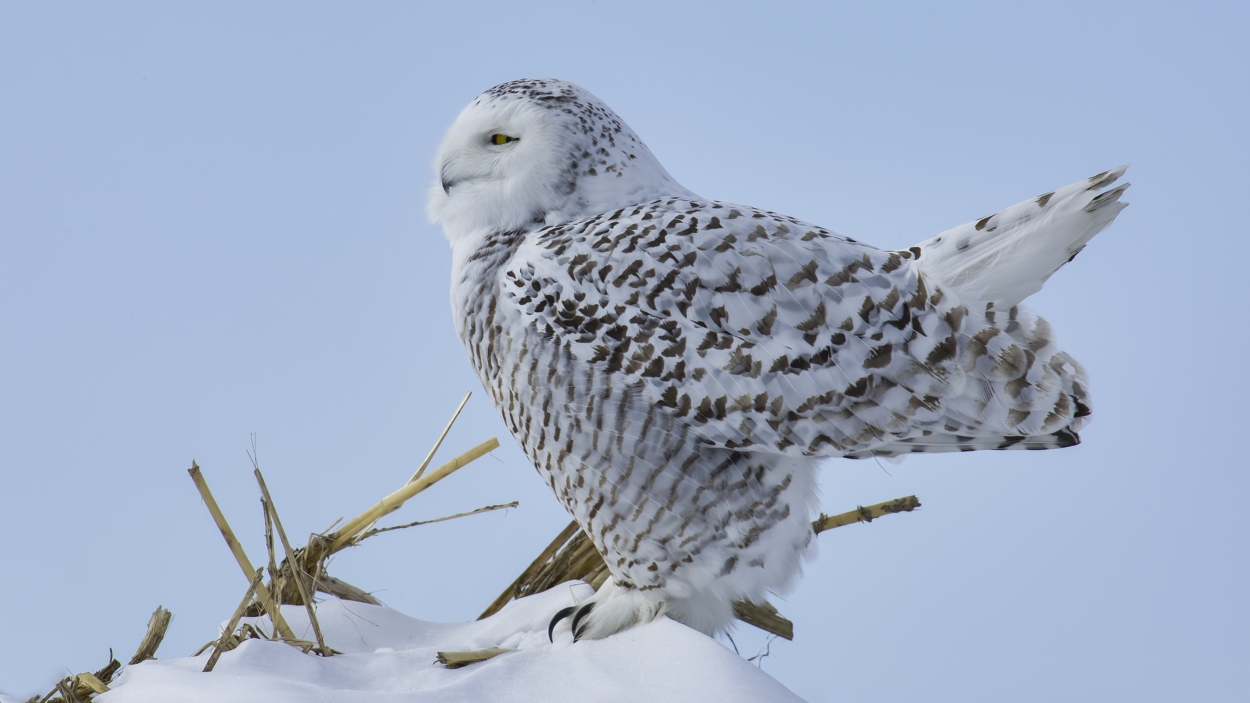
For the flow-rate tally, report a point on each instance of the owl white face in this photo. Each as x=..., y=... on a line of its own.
x=537, y=152
x=485, y=185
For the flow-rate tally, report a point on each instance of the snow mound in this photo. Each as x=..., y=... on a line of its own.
x=389, y=657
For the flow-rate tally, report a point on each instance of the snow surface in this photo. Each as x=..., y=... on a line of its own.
x=390, y=657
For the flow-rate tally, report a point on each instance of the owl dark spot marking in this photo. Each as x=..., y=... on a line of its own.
x=807, y=272
x=683, y=408
x=1099, y=181
x=731, y=285
x=903, y=319
x=676, y=349
x=677, y=374
x=664, y=285
x=841, y=277
x=765, y=325
x=709, y=341
x=821, y=440
x=1016, y=386
x=765, y=286
x=698, y=374
x=660, y=238
x=800, y=364
x=1010, y=441
x=921, y=298
x=892, y=263
x=816, y=319
x=857, y=389
x=629, y=271
x=704, y=411
x=654, y=368
x=1066, y=438
x=598, y=504
x=978, y=343
x=943, y=351
x=718, y=316
x=668, y=399
x=726, y=243
x=866, y=310
x=760, y=402
x=879, y=357
x=955, y=317
x=740, y=364
x=980, y=226
x=714, y=224
x=890, y=300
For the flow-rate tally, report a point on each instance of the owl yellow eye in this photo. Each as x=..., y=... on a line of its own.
x=501, y=139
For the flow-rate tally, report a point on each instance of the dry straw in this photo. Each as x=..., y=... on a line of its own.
x=303, y=571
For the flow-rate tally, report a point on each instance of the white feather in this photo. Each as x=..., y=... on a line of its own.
x=1006, y=257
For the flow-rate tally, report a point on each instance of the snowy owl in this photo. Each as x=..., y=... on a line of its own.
x=678, y=367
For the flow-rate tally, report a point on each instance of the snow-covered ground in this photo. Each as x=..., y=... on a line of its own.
x=388, y=656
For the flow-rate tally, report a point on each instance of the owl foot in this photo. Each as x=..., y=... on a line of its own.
x=611, y=610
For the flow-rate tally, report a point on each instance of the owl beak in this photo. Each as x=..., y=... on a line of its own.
x=446, y=180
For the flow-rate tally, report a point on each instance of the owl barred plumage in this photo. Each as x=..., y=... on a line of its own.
x=677, y=367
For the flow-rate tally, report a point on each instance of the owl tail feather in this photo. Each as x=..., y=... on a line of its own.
x=1006, y=257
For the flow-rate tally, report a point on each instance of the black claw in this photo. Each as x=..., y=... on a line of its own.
x=577, y=617
x=560, y=615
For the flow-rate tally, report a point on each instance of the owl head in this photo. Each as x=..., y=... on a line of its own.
x=539, y=152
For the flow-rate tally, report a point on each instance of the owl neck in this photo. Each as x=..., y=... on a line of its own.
x=476, y=262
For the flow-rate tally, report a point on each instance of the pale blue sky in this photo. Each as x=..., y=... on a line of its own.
x=212, y=224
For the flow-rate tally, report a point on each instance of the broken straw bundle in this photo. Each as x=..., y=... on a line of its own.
x=303, y=571
x=80, y=688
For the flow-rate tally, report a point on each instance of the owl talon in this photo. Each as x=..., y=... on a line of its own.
x=581, y=613
x=560, y=615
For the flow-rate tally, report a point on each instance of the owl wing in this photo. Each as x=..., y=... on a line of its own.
x=768, y=333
